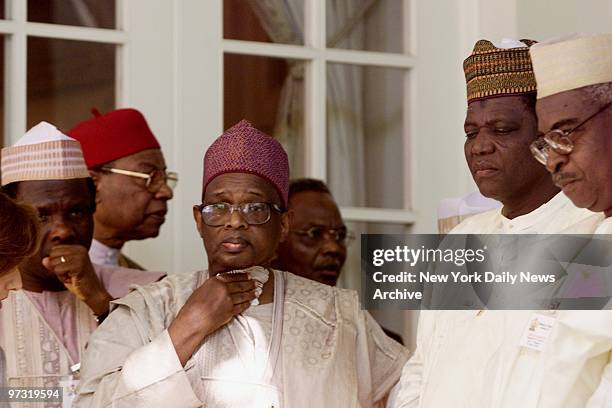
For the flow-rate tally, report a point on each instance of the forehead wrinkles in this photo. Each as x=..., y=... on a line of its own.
x=495, y=112
x=240, y=184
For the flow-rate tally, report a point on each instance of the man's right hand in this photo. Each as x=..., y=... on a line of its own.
x=210, y=307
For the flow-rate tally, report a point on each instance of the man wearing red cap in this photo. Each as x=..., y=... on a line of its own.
x=132, y=184
x=240, y=334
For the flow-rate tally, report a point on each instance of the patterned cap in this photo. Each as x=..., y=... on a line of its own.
x=43, y=153
x=114, y=135
x=497, y=70
x=572, y=62
x=245, y=149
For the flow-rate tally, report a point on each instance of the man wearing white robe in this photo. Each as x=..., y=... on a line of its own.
x=477, y=358
x=254, y=338
x=45, y=326
x=574, y=106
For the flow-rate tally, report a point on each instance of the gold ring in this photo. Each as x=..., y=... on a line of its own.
x=62, y=259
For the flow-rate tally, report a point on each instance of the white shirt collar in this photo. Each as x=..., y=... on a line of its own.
x=531, y=222
x=103, y=255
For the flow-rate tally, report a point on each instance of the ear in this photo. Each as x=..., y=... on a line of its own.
x=197, y=217
x=97, y=178
x=284, y=220
x=95, y=175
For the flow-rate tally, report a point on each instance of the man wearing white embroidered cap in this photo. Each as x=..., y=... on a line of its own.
x=574, y=107
x=44, y=327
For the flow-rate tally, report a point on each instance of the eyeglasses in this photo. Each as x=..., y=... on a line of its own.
x=315, y=235
x=558, y=140
x=218, y=214
x=154, y=180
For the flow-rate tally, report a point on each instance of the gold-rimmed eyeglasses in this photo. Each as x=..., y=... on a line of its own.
x=558, y=140
x=154, y=180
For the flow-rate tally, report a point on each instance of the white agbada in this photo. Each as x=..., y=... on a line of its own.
x=42, y=345
x=314, y=348
x=473, y=359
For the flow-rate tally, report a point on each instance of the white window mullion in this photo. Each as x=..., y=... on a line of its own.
x=122, y=68
x=316, y=92
x=65, y=32
x=15, y=74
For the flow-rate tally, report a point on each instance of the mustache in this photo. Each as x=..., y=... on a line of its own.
x=560, y=177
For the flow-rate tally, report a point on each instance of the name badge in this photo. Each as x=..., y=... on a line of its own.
x=69, y=386
x=538, y=331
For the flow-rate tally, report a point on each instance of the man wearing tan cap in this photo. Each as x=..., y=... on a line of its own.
x=574, y=107
x=45, y=327
x=474, y=358
x=198, y=339
x=575, y=118
x=133, y=186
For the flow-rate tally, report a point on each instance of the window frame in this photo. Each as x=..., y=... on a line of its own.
x=316, y=56
x=16, y=30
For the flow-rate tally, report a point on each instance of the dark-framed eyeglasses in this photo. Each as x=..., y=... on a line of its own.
x=154, y=180
x=316, y=235
x=218, y=214
x=558, y=140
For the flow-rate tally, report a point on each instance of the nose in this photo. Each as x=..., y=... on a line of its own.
x=61, y=232
x=556, y=161
x=165, y=193
x=481, y=144
x=332, y=247
x=236, y=220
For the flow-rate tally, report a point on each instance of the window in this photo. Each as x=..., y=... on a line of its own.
x=60, y=59
x=332, y=81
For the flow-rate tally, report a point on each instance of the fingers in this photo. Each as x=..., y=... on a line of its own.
x=244, y=297
x=233, y=277
x=244, y=286
x=241, y=307
x=68, y=250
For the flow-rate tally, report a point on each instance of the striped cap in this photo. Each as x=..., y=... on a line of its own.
x=43, y=153
x=499, y=69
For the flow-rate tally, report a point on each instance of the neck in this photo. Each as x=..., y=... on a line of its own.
x=522, y=204
x=34, y=283
x=267, y=295
x=107, y=237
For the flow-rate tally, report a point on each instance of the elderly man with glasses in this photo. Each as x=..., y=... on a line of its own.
x=574, y=108
x=132, y=185
x=240, y=334
x=575, y=119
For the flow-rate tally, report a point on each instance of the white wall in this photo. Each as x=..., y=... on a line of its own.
x=545, y=19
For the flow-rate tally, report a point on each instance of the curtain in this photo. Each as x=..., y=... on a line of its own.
x=283, y=21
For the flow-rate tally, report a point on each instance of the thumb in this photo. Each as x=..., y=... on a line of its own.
x=47, y=263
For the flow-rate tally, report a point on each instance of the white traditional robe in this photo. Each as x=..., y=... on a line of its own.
x=473, y=359
x=37, y=355
x=605, y=227
x=322, y=351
